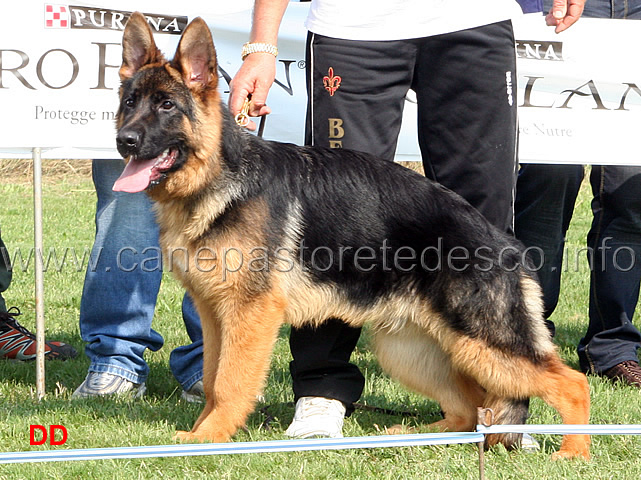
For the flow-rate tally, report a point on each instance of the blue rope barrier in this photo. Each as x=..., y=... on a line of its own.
x=562, y=429
x=242, y=447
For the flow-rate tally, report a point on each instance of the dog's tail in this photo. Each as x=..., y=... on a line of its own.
x=506, y=411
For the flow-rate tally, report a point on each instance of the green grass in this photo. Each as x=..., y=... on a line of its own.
x=68, y=223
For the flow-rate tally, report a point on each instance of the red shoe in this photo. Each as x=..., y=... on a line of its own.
x=18, y=343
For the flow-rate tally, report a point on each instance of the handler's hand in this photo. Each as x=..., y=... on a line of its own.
x=255, y=77
x=564, y=13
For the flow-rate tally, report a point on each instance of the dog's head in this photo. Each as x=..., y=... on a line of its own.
x=168, y=120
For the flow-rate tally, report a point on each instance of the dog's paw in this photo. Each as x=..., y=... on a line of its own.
x=201, y=436
x=182, y=436
x=400, y=430
x=568, y=455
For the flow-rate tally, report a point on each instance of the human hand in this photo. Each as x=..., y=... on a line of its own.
x=564, y=13
x=255, y=77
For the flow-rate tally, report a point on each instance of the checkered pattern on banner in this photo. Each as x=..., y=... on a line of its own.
x=56, y=16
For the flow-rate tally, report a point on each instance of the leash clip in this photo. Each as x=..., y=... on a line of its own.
x=242, y=119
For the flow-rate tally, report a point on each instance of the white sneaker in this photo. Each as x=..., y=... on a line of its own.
x=196, y=394
x=102, y=384
x=529, y=444
x=317, y=417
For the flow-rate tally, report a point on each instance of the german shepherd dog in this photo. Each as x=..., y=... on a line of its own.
x=261, y=233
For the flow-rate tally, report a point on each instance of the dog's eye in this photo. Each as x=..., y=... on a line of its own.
x=129, y=102
x=167, y=105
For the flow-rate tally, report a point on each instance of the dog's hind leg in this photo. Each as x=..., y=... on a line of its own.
x=567, y=391
x=506, y=375
x=506, y=411
x=246, y=336
x=414, y=359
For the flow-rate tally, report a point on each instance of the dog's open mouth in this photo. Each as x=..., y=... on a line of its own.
x=140, y=174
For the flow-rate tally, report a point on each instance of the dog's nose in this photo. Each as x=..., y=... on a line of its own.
x=128, y=140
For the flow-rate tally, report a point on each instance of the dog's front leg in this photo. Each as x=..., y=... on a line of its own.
x=239, y=367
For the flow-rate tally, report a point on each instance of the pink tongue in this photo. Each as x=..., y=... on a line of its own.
x=135, y=177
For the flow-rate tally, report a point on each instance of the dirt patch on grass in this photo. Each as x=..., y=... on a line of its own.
x=21, y=170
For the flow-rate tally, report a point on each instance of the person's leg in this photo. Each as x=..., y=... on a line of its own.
x=320, y=365
x=545, y=198
x=465, y=84
x=356, y=93
x=615, y=241
x=16, y=342
x=352, y=106
x=349, y=106
x=5, y=272
x=186, y=362
x=122, y=281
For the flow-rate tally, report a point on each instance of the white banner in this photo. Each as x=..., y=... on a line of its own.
x=579, y=93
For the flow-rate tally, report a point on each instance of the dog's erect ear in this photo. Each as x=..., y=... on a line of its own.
x=196, y=56
x=138, y=46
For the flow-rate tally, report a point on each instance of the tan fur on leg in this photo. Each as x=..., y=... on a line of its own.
x=247, y=340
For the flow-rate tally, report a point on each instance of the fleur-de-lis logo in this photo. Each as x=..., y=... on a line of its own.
x=331, y=82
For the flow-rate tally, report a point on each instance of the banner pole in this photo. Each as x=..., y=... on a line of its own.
x=39, y=274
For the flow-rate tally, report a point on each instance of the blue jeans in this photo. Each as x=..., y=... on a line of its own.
x=615, y=242
x=624, y=9
x=121, y=288
x=545, y=197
